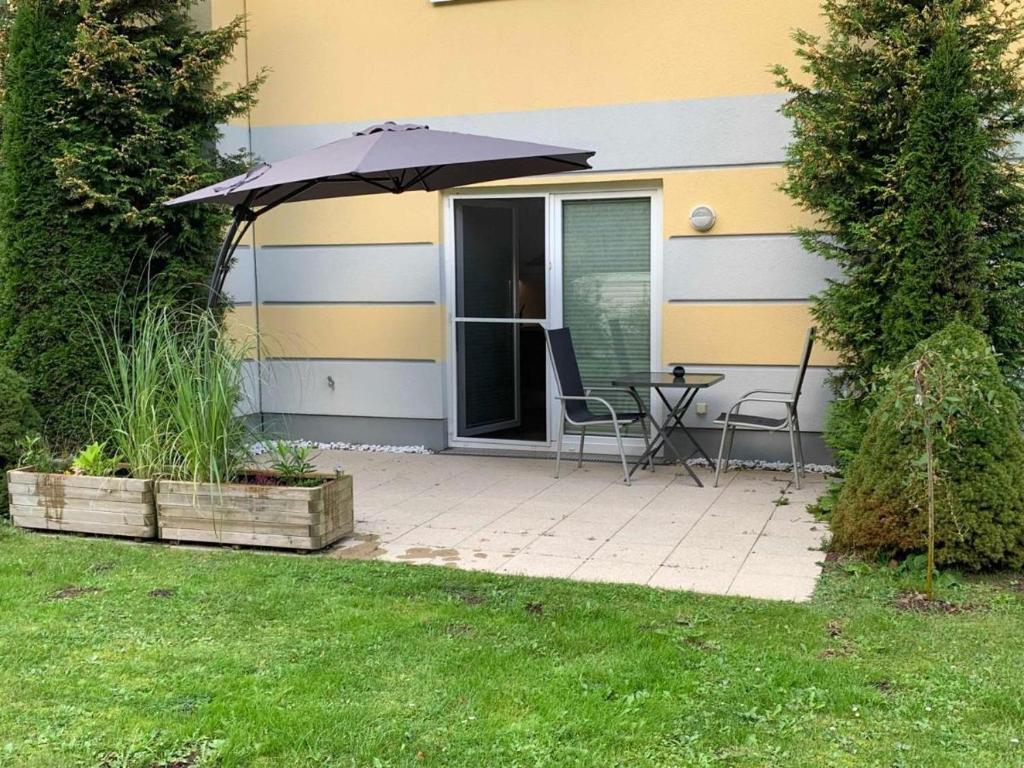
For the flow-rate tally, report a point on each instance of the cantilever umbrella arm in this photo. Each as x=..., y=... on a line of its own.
x=242, y=217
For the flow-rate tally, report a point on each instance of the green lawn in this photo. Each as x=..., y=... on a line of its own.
x=248, y=659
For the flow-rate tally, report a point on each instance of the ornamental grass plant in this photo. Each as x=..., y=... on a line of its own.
x=170, y=406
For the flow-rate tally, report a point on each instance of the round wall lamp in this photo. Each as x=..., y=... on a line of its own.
x=703, y=218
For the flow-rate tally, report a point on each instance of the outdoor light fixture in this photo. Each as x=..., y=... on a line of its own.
x=702, y=218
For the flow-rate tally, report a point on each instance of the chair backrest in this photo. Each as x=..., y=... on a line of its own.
x=567, y=370
x=812, y=332
x=563, y=358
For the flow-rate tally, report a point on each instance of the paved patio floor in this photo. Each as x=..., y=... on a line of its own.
x=510, y=515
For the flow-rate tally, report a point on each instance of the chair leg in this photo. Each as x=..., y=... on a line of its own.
x=792, y=450
x=647, y=443
x=800, y=449
x=721, y=452
x=561, y=435
x=622, y=453
x=583, y=436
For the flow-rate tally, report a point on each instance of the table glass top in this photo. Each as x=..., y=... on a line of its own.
x=667, y=380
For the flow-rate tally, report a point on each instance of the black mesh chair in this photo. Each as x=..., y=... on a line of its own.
x=577, y=399
x=733, y=419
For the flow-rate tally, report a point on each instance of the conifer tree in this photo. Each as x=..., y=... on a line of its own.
x=110, y=107
x=904, y=119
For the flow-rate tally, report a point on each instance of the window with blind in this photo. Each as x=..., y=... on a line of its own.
x=606, y=284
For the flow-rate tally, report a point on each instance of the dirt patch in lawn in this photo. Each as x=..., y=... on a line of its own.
x=918, y=602
x=535, y=608
x=466, y=595
x=161, y=592
x=366, y=547
x=69, y=592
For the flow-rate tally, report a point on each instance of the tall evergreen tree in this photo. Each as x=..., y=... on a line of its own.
x=904, y=118
x=110, y=107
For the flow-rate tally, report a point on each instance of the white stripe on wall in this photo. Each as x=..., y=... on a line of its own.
x=743, y=267
x=350, y=273
x=360, y=388
x=733, y=130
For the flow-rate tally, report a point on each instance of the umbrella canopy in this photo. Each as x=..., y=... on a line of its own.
x=389, y=158
x=383, y=158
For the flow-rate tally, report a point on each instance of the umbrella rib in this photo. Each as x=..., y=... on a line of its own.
x=374, y=182
x=290, y=196
x=421, y=176
x=564, y=161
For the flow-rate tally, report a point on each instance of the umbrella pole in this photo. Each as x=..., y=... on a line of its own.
x=242, y=215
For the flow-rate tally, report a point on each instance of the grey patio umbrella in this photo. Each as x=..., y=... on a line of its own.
x=383, y=158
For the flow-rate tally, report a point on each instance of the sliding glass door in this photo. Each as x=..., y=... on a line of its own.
x=518, y=263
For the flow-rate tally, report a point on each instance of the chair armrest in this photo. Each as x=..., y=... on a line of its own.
x=593, y=398
x=769, y=392
x=624, y=390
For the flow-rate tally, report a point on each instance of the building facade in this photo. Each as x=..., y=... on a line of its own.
x=415, y=319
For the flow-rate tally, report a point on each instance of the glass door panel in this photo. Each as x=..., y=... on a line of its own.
x=500, y=295
x=606, y=288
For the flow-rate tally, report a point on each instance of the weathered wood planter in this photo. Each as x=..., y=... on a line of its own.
x=256, y=515
x=115, y=506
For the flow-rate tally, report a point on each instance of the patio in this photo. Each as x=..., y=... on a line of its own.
x=510, y=515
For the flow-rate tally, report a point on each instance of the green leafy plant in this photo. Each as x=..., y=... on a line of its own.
x=133, y=407
x=210, y=443
x=36, y=453
x=971, y=415
x=94, y=461
x=292, y=463
x=18, y=417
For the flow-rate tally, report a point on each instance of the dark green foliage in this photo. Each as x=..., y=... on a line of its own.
x=50, y=260
x=17, y=418
x=110, y=108
x=979, y=455
x=901, y=139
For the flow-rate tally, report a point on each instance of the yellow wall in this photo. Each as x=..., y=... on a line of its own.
x=739, y=334
x=414, y=217
x=353, y=331
x=346, y=60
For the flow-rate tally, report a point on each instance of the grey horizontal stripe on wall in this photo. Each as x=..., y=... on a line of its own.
x=366, y=274
x=733, y=130
x=250, y=386
x=240, y=284
x=360, y=388
x=432, y=433
x=743, y=267
x=741, y=379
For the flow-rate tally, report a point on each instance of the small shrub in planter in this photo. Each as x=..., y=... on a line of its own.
x=979, y=459
x=93, y=495
x=289, y=506
x=207, y=493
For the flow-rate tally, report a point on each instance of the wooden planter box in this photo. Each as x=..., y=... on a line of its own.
x=256, y=515
x=116, y=506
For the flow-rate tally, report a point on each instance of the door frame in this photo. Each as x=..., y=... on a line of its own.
x=553, y=199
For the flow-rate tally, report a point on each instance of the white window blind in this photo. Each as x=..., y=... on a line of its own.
x=606, y=279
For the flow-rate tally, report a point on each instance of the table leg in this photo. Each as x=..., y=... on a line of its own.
x=677, y=414
x=664, y=430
